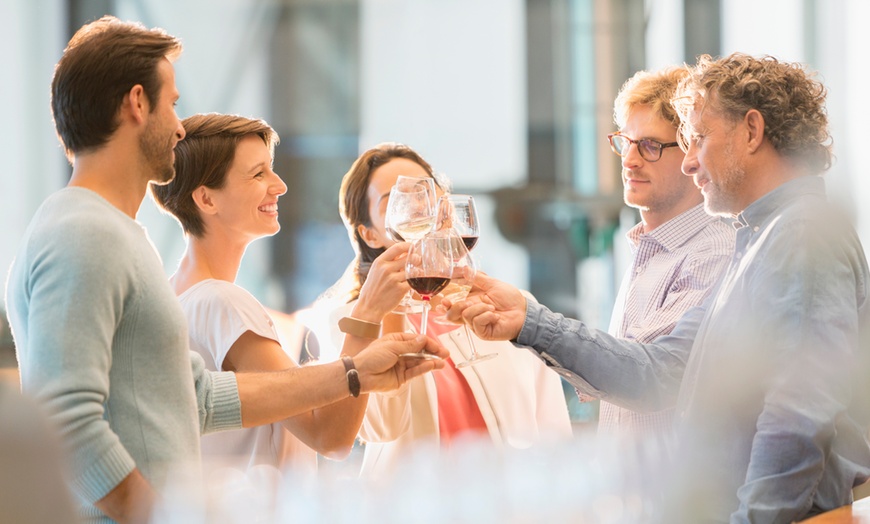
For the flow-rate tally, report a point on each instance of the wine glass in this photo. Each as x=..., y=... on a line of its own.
x=410, y=215
x=458, y=215
x=464, y=271
x=410, y=208
x=463, y=218
x=429, y=268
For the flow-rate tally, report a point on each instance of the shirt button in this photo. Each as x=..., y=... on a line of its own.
x=756, y=228
x=738, y=255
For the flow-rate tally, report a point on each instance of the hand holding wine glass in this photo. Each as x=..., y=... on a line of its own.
x=385, y=284
x=464, y=273
x=458, y=217
x=428, y=268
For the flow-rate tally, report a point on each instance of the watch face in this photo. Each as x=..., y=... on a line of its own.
x=353, y=382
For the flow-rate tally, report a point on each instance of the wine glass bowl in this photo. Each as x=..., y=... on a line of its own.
x=410, y=213
x=460, y=213
x=464, y=271
x=428, y=269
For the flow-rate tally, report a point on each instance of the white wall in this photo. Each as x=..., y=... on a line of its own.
x=768, y=27
x=447, y=77
x=33, y=162
x=844, y=55
x=665, y=36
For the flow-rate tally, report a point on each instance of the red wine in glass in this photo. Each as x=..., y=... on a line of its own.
x=428, y=270
x=428, y=286
x=470, y=241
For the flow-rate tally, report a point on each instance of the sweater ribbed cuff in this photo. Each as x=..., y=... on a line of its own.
x=226, y=412
x=102, y=475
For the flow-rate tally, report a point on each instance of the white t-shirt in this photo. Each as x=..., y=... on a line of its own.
x=218, y=313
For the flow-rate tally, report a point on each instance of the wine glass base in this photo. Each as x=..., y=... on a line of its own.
x=422, y=355
x=413, y=307
x=401, y=310
x=476, y=359
x=441, y=320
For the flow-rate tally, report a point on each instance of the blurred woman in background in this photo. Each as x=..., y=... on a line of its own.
x=510, y=401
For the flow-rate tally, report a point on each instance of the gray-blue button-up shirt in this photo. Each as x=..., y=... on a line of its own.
x=767, y=376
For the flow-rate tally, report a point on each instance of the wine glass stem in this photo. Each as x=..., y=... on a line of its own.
x=425, y=315
x=470, y=342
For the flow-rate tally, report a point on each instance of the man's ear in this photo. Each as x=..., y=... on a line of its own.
x=202, y=197
x=135, y=104
x=754, y=122
x=370, y=236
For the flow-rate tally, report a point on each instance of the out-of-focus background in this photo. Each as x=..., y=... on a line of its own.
x=510, y=99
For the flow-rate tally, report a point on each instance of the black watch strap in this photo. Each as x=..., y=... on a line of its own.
x=352, y=376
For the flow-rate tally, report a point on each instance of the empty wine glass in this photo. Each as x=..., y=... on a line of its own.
x=429, y=268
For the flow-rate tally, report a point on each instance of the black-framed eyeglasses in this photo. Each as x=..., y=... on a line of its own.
x=649, y=149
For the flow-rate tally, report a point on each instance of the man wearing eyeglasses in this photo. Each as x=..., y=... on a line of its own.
x=769, y=376
x=679, y=251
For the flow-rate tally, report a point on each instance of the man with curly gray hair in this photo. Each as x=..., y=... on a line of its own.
x=770, y=379
x=765, y=376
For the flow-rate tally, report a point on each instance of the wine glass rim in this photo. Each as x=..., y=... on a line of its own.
x=417, y=181
x=413, y=189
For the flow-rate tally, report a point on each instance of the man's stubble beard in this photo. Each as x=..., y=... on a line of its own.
x=158, y=155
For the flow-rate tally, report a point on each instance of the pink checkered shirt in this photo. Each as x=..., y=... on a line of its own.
x=675, y=268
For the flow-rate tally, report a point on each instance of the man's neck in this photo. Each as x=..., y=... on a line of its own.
x=652, y=220
x=114, y=175
x=770, y=175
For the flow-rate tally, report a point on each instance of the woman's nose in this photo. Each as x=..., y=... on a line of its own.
x=278, y=186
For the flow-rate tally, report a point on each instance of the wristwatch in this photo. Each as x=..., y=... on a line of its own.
x=352, y=375
x=359, y=328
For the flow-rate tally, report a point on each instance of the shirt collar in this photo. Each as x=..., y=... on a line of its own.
x=760, y=210
x=676, y=231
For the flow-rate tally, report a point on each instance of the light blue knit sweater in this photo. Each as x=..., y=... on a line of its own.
x=102, y=342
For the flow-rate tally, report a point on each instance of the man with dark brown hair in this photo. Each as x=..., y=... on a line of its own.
x=101, y=339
